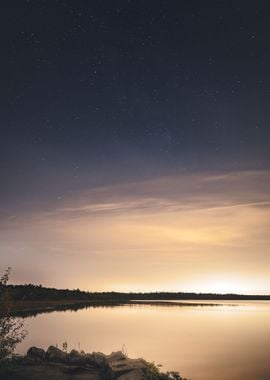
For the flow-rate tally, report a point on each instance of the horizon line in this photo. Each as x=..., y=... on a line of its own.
x=150, y=291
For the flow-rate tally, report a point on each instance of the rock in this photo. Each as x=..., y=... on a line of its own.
x=80, y=366
x=45, y=370
x=74, y=353
x=99, y=359
x=55, y=355
x=136, y=374
x=88, y=359
x=80, y=359
x=36, y=353
x=74, y=357
x=116, y=356
x=119, y=365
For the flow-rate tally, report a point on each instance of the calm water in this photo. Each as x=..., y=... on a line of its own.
x=202, y=343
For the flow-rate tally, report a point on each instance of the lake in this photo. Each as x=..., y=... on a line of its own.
x=222, y=342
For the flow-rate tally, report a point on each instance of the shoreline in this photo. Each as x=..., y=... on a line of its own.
x=25, y=308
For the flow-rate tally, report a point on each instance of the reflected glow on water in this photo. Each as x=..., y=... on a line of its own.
x=230, y=342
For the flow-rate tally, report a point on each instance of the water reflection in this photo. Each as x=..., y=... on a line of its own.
x=86, y=305
x=222, y=342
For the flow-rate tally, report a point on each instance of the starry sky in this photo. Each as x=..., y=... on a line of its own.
x=135, y=144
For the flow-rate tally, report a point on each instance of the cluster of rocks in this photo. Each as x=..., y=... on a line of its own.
x=82, y=366
x=55, y=364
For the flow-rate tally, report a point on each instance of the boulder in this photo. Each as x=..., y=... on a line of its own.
x=99, y=359
x=55, y=355
x=74, y=354
x=88, y=359
x=116, y=356
x=36, y=353
x=74, y=357
x=136, y=374
x=119, y=365
x=80, y=358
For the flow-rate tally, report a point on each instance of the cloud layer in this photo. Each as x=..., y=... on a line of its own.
x=188, y=232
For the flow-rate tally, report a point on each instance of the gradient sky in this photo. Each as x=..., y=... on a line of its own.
x=135, y=144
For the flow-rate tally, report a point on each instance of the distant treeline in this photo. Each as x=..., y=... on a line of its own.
x=32, y=292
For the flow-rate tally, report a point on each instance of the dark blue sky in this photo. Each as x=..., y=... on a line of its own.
x=101, y=92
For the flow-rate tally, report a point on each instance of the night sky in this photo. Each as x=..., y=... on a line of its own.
x=121, y=123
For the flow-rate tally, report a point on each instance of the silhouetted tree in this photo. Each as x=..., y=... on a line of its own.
x=11, y=328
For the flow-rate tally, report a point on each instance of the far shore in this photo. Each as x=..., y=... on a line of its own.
x=41, y=306
x=33, y=299
x=28, y=308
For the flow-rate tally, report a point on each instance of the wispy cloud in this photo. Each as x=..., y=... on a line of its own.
x=172, y=194
x=181, y=223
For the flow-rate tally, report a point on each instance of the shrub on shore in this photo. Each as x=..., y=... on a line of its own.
x=152, y=372
x=12, y=329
